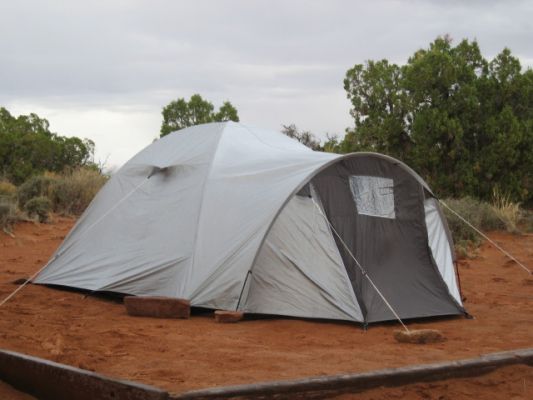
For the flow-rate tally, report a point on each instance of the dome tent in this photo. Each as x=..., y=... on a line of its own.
x=233, y=217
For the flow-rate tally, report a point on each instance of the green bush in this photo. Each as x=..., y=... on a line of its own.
x=38, y=207
x=72, y=193
x=36, y=186
x=478, y=213
x=28, y=147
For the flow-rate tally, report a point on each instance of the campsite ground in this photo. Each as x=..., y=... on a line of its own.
x=177, y=355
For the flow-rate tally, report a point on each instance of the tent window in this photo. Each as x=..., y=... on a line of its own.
x=373, y=195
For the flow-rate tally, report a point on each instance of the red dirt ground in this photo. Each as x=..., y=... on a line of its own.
x=179, y=355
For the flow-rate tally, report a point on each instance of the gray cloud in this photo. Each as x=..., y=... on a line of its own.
x=277, y=61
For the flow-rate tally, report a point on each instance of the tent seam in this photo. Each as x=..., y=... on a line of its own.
x=204, y=185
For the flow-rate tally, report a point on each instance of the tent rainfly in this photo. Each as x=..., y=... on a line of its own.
x=239, y=218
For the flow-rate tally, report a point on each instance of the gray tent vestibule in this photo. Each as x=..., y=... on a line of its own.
x=230, y=216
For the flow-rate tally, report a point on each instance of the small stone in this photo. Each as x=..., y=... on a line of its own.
x=419, y=336
x=223, y=316
x=157, y=307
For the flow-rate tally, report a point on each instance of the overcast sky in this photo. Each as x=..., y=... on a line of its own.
x=104, y=69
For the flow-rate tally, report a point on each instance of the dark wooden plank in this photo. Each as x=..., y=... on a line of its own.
x=354, y=383
x=50, y=380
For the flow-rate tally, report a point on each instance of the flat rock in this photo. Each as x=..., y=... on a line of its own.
x=419, y=336
x=223, y=316
x=157, y=307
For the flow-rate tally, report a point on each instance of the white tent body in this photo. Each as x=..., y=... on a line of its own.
x=193, y=213
x=441, y=248
x=299, y=271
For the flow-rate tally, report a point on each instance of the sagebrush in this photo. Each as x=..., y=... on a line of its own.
x=69, y=193
x=72, y=192
x=8, y=212
x=38, y=207
x=478, y=213
x=36, y=186
x=502, y=214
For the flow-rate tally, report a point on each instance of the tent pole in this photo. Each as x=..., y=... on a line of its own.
x=242, y=290
x=457, y=275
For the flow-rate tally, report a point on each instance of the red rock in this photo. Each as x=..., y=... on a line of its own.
x=419, y=336
x=157, y=307
x=223, y=316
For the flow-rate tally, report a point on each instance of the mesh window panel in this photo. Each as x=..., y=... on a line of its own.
x=373, y=196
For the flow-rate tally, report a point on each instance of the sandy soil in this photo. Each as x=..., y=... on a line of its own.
x=177, y=355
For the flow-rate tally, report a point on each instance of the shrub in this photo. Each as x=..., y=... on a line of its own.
x=7, y=189
x=72, y=193
x=38, y=207
x=8, y=206
x=8, y=213
x=478, y=213
x=36, y=186
x=526, y=220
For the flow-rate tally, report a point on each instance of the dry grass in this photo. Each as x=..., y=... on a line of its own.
x=67, y=194
x=500, y=214
x=72, y=192
x=506, y=210
x=7, y=189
